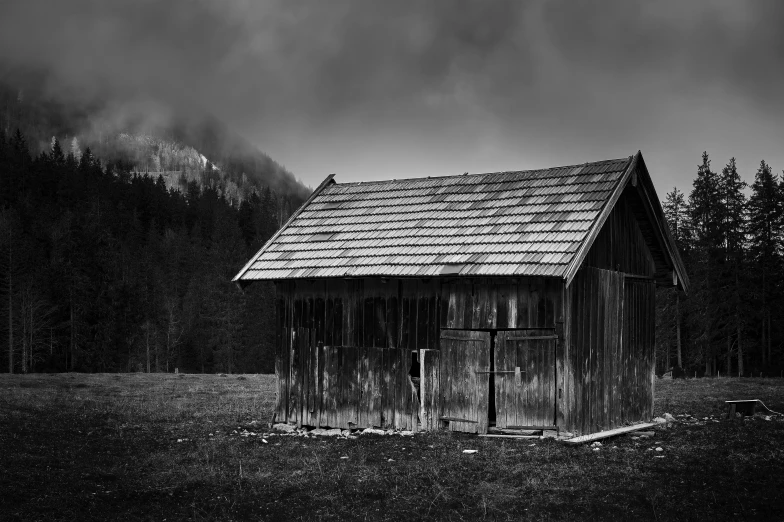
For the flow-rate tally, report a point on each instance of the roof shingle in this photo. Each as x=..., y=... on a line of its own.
x=522, y=223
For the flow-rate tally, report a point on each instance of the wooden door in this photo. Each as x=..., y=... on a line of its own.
x=524, y=374
x=465, y=379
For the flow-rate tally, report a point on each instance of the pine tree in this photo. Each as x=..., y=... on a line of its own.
x=732, y=275
x=676, y=212
x=705, y=215
x=766, y=220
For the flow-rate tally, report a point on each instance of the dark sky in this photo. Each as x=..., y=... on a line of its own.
x=389, y=89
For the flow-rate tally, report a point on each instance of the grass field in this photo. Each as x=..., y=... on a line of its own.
x=135, y=446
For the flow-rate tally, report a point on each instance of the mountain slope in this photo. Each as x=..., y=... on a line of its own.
x=183, y=144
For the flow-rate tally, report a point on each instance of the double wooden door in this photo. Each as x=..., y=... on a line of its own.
x=522, y=364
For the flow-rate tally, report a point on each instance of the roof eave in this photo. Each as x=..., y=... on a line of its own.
x=645, y=183
x=577, y=260
x=656, y=217
x=239, y=277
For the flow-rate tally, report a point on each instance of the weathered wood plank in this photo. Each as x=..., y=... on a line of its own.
x=380, y=321
x=560, y=385
x=524, y=302
x=392, y=326
x=368, y=322
x=422, y=321
x=502, y=306
x=467, y=297
x=512, y=301
x=385, y=391
x=499, y=383
x=432, y=321
x=293, y=363
x=608, y=433
x=501, y=436
x=337, y=312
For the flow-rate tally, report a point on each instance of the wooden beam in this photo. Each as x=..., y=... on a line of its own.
x=609, y=433
x=453, y=419
x=496, y=436
x=536, y=428
x=636, y=276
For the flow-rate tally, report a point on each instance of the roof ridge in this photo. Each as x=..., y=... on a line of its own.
x=419, y=178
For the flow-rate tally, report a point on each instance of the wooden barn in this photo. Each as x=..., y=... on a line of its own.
x=462, y=302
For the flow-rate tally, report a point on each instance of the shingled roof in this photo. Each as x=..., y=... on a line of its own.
x=522, y=223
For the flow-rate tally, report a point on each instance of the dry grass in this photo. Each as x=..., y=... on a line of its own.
x=106, y=447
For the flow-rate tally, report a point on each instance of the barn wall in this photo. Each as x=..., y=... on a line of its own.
x=531, y=302
x=344, y=351
x=344, y=347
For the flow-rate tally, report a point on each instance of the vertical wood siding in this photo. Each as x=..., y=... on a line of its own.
x=621, y=246
x=610, y=350
x=465, y=363
x=525, y=394
x=534, y=302
x=344, y=347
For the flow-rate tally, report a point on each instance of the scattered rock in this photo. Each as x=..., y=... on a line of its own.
x=470, y=451
x=659, y=449
x=596, y=444
x=666, y=419
x=344, y=457
x=286, y=428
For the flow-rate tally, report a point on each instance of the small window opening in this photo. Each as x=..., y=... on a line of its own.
x=413, y=373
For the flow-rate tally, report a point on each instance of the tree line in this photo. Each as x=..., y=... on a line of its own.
x=730, y=237
x=105, y=270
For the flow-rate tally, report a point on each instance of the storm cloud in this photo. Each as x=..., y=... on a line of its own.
x=377, y=89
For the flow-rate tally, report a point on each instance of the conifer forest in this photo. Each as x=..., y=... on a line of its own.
x=729, y=233
x=105, y=269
